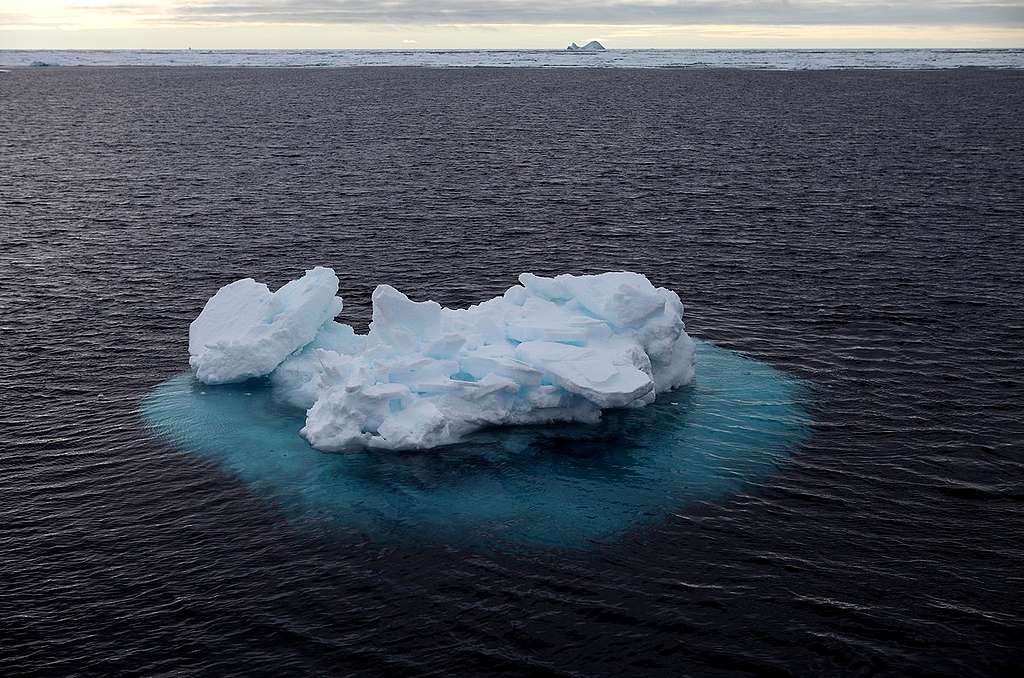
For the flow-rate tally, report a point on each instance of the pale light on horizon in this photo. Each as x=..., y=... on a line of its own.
x=473, y=24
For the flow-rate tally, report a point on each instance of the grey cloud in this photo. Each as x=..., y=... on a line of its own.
x=807, y=12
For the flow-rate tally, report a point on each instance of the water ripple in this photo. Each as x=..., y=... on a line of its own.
x=861, y=231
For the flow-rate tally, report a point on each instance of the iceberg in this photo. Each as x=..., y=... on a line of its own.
x=559, y=349
x=592, y=46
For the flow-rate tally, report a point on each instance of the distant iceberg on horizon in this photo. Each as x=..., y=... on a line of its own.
x=548, y=350
x=592, y=46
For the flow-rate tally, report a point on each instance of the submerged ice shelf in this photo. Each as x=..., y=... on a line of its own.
x=604, y=361
x=559, y=349
x=567, y=485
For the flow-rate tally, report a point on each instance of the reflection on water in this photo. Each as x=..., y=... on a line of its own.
x=567, y=485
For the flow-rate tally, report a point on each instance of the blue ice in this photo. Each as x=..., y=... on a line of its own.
x=569, y=485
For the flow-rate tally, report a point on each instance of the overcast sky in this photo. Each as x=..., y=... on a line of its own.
x=507, y=23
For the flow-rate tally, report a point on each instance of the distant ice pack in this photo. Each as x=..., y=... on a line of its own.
x=548, y=350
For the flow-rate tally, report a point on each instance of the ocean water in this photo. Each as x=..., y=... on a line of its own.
x=856, y=232
x=772, y=59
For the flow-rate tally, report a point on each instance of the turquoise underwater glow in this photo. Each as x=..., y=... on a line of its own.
x=564, y=485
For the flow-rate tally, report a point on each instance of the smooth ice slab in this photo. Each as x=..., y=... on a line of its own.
x=246, y=331
x=559, y=349
x=567, y=484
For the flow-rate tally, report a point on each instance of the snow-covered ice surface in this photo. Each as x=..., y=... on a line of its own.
x=568, y=485
x=810, y=59
x=549, y=350
x=246, y=330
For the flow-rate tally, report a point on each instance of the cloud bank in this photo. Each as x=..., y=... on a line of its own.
x=777, y=12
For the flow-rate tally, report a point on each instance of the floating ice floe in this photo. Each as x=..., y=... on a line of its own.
x=549, y=350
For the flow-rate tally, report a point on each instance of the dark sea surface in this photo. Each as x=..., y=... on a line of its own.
x=860, y=231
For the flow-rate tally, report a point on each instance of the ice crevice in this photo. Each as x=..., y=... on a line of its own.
x=548, y=350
